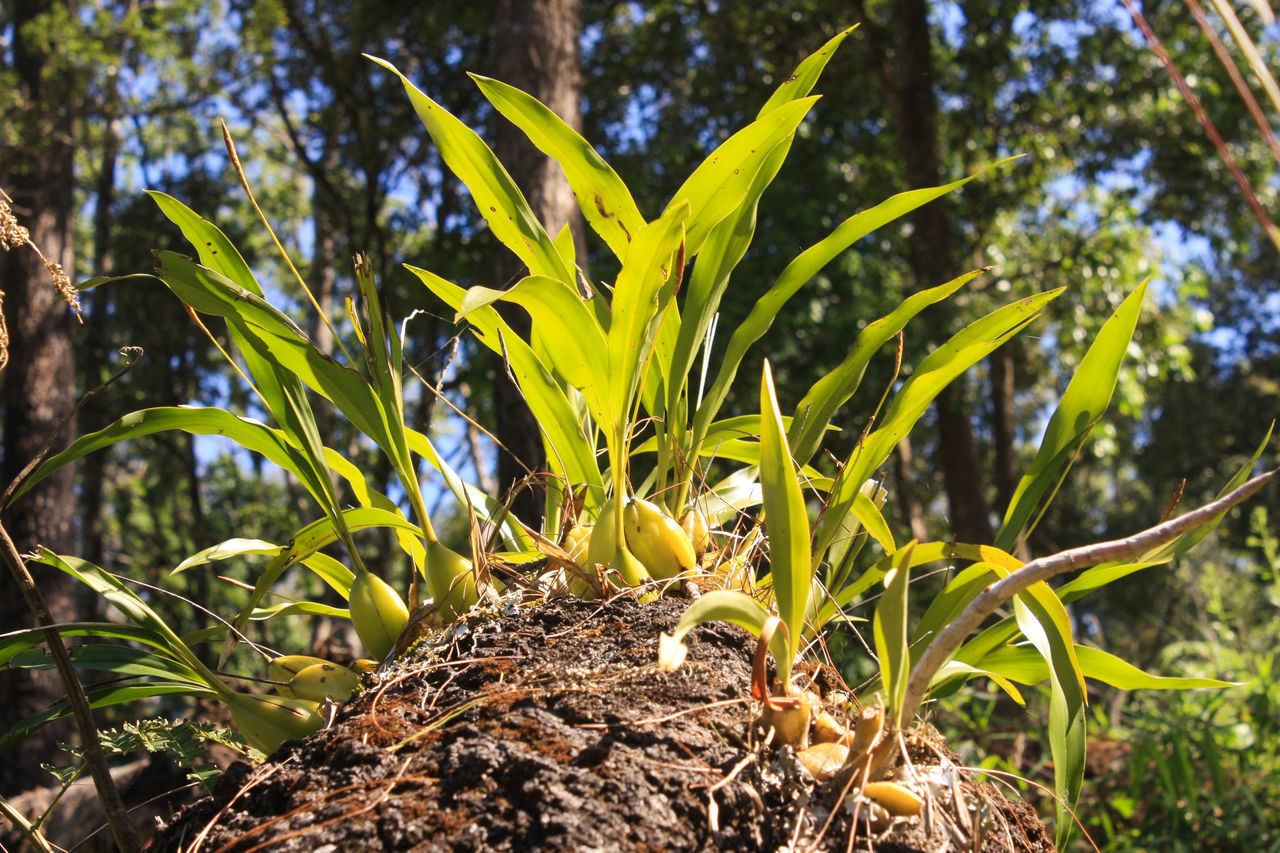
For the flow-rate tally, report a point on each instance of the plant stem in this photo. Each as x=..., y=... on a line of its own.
x=117, y=817
x=999, y=592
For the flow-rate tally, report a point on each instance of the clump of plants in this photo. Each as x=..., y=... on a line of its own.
x=650, y=488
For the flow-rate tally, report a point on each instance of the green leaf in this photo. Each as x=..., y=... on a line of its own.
x=606, y=202
x=1082, y=405
x=102, y=697
x=329, y=570
x=16, y=642
x=1067, y=702
x=1026, y=665
x=226, y=550
x=121, y=660
x=721, y=605
x=890, y=628
x=250, y=434
x=953, y=668
x=788, y=521
x=497, y=197
x=571, y=454
x=721, y=182
x=215, y=250
x=939, y=369
x=581, y=351
x=947, y=605
x=114, y=591
x=727, y=242
x=805, y=77
x=814, y=413
x=307, y=608
x=635, y=304
x=799, y=271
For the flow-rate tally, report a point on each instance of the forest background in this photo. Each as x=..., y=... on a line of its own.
x=100, y=100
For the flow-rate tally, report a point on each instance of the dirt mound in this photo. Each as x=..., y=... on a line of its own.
x=550, y=728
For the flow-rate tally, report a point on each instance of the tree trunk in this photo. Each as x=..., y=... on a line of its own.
x=1003, y=424
x=537, y=51
x=905, y=65
x=39, y=383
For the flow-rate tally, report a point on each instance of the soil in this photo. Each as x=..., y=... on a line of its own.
x=551, y=728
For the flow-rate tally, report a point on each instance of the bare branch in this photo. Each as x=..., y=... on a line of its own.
x=949, y=638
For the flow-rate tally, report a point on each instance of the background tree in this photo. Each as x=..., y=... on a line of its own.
x=537, y=51
x=39, y=382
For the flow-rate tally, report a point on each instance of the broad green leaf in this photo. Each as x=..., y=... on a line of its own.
x=721, y=605
x=805, y=77
x=580, y=353
x=310, y=539
x=734, y=494
x=727, y=242
x=218, y=253
x=814, y=412
x=1026, y=665
x=570, y=452
x=329, y=570
x=606, y=202
x=717, y=187
x=308, y=608
x=802, y=269
x=1067, y=700
x=967, y=347
x=114, y=591
x=1082, y=405
x=890, y=628
x=635, y=304
x=226, y=550
x=788, y=521
x=953, y=668
x=497, y=197
x=16, y=642
x=946, y=605
x=280, y=341
x=215, y=250
x=102, y=697
x=122, y=660
x=252, y=435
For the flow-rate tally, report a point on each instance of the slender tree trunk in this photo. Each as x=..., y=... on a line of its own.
x=906, y=493
x=1003, y=425
x=536, y=50
x=93, y=467
x=905, y=64
x=39, y=383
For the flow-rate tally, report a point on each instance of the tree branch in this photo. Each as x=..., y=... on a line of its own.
x=950, y=637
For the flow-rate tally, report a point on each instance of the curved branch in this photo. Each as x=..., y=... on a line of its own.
x=949, y=638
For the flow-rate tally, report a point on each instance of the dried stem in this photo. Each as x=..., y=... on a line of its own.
x=949, y=638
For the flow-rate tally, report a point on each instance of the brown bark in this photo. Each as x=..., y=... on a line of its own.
x=905, y=65
x=906, y=494
x=1003, y=423
x=537, y=51
x=39, y=382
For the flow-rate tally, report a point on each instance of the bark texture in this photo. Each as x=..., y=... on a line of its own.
x=39, y=381
x=904, y=58
x=537, y=51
